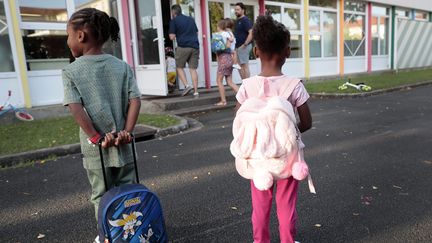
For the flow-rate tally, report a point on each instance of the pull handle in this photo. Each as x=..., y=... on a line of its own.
x=103, y=164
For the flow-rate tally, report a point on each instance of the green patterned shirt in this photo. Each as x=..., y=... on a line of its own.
x=103, y=84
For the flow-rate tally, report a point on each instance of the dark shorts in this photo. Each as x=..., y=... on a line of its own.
x=187, y=55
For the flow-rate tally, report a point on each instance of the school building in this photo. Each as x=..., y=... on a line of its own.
x=328, y=37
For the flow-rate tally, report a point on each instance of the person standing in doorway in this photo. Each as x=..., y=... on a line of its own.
x=243, y=35
x=184, y=30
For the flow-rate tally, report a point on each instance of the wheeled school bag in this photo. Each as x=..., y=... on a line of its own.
x=130, y=212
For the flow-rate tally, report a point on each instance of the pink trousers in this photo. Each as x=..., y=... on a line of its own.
x=286, y=199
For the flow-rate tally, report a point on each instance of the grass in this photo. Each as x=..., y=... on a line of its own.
x=26, y=136
x=376, y=81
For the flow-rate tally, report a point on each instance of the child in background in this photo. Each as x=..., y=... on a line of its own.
x=229, y=26
x=272, y=48
x=104, y=99
x=225, y=64
x=170, y=69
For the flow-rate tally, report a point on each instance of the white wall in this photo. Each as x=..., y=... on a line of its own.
x=380, y=63
x=46, y=87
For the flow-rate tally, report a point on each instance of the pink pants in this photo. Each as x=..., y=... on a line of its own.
x=286, y=199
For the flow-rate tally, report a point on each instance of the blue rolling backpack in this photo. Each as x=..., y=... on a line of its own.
x=130, y=212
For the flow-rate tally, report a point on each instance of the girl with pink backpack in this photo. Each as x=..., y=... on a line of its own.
x=267, y=143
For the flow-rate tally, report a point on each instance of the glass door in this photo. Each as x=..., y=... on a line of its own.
x=147, y=33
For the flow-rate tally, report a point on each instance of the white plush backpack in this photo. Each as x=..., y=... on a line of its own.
x=267, y=144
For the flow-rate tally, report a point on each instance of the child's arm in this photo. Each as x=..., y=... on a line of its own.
x=237, y=107
x=86, y=124
x=305, y=118
x=131, y=119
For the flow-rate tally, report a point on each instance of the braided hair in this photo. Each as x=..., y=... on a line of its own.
x=98, y=23
x=270, y=36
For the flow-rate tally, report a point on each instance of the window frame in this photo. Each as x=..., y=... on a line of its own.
x=300, y=32
x=426, y=13
x=10, y=74
x=70, y=9
x=379, y=17
x=321, y=10
x=30, y=25
x=405, y=10
x=364, y=40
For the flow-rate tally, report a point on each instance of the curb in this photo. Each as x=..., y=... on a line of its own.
x=375, y=92
x=15, y=159
x=162, y=132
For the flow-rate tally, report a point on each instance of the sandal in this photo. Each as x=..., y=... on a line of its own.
x=221, y=103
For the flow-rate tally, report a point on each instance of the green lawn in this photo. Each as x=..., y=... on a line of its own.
x=376, y=81
x=38, y=134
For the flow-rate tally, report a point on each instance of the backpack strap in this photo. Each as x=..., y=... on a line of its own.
x=266, y=88
x=288, y=86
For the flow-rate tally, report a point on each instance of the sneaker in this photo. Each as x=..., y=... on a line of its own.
x=96, y=240
x=236, y=66
x=186, y=90
x=196, y=95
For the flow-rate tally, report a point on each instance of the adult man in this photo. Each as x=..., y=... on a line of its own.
x=243, y=35
x=184, y=30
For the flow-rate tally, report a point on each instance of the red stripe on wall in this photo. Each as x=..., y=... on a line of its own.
x=205, y=44
x=369, y=39
x=127, y=31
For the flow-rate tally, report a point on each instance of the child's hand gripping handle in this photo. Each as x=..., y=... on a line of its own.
x=102, y=160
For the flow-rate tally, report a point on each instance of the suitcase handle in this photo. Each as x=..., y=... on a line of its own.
x=103, y=164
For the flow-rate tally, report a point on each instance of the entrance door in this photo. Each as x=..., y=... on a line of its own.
x=148, y=46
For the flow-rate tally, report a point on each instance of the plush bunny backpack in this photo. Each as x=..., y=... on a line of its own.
x=267, y=144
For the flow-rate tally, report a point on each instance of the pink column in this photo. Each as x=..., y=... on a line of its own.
x=369, y=39
x=127, y=30
x=203, y=4
x=261, y=4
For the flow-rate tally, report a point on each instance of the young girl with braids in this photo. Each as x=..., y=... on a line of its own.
x=272, y=47
x=103, y=97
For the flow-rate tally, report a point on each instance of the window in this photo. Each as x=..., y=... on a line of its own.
x=421, y=15
x=296, y=46
x=315, y=37
x=187, y=7
x=354, y=33
x=330, y=34
x=43, y=11
x=109, y=7
x=43, y=28
x=354, y=28
x=380, y=30
x=45, y=49
x=290, y=17
x=403, y=13
x=379, y=11
x=6, y=58
x=288, y=1
x=275, y=12
x=323, y=33
x=147, y=33
x=323, y=3
x=355, y=6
